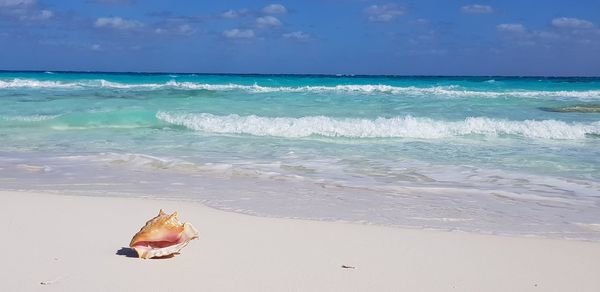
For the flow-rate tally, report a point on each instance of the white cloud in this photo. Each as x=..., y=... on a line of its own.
x=24, y=10
x=95, y=47
x=185, y=29
x=45, y=14
x=181, y=29
x=38, y=15
x=477, y=9
x=231, y=14
x=117, y=23
x=421, y=22
x=239, y=33
x=565, y=31
x=15, y=3
x=296, y=35
x=511, y=27
x=547, y=35
x=268, y=21
x=383, y=13
x=567, y=22
x=274, y=9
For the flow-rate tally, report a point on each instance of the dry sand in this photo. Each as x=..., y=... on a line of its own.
x=70, y=243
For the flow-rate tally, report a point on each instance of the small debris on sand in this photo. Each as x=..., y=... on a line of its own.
x=50, y=282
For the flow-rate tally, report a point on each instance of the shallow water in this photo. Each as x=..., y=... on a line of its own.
x=467, y=153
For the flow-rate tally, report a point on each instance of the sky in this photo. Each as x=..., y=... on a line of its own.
x=426, y=37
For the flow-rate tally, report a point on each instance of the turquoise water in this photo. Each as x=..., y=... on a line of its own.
x=486, y=154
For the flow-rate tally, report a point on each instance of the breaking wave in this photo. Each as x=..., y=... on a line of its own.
x=448, y=91
x=32, y=83
x=398, y=127
x=32, y=118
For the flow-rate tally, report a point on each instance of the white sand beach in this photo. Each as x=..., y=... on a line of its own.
x=311, y=146
x=70, y=243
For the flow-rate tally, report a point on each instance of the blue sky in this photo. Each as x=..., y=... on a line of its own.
x=449, y=37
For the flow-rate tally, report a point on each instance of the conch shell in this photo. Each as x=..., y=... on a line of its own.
x=162, y=236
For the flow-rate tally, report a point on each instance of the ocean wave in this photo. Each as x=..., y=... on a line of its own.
x=31, y=118
x=444, y=91
x=398, y=127
x=449, y=91
x=32, y=83
x=88, y=120
x=578, y=108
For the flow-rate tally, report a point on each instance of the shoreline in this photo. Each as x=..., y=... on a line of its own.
x=72, y=243
x=250, y=210
x=252, y=213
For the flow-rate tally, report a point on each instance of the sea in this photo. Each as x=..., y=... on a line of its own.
x=516, y=156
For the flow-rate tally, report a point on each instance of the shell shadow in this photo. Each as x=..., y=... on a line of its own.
x=127, y=252
x=131, y=253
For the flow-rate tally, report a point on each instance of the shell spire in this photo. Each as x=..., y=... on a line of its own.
x=162, y=236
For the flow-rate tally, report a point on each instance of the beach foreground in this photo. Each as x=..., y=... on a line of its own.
x=70, y=243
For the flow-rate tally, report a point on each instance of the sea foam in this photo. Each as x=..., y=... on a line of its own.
x=32, y=83
x=31, y=118
x=397, y=127
x=444, y=91
x=449, y=91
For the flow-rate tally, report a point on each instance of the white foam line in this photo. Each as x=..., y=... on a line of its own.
x=448, y=91
x=32, y=118
x=398, y=127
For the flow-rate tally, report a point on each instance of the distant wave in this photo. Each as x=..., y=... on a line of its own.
x=32, y=83
x=445, y=91
x=31, y=118
x=398, y=127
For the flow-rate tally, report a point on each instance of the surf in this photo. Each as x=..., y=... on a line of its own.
x=396, y=127
x=451, y=91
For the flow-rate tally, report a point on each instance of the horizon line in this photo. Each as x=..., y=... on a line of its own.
x=293, y=74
